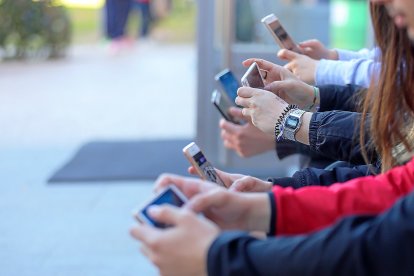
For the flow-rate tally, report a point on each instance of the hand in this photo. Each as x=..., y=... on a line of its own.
x=246, y=140
x=273, y=72
x=228, y=178
x=181, y=249
x=262, y=106
x=229, y=210
x=250, y=184
x=315, y=49
x=294, y=92
x=302, y=66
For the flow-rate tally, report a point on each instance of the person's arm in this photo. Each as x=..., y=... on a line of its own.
x=321, y=177
x=358, y=245
x=321, y=206
x=356, y=71
x=339, y=97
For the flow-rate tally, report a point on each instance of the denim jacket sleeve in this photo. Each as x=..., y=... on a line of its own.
x=337, y=97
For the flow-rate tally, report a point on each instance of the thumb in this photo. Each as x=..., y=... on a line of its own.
x=165, y=213
x=287, y=54
x=275, y=86
x=311, y=43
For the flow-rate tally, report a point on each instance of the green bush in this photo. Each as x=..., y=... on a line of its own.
x=33, y=29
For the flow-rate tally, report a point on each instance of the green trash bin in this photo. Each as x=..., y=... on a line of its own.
x=349, y=19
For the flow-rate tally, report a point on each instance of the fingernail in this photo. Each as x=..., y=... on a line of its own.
x=153, y=210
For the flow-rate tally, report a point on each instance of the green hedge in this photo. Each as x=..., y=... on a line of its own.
x=33, y=29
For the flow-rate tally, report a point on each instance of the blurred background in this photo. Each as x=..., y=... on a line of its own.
x=89, y=118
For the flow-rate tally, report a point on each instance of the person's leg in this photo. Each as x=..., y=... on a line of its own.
x=123, y=9
x=146, y=19
x=110, y=19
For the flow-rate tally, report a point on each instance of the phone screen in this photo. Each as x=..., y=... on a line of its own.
x=167, y=197
x=283, y=36
x=206, y=167
x=230, y=84
x=254, y=78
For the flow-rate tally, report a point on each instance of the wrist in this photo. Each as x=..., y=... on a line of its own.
x=333, y=54
x=302, y=135
x=259, y=212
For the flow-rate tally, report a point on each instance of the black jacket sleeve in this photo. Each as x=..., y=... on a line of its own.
x=321, y=177
x=335, y=97
x=359, y=245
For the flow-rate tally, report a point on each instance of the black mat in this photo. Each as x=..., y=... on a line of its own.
x=124, y=160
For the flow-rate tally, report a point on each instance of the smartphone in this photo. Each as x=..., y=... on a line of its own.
x=253, y=78
x=279, y=33
x=222, y=103
x=170, y=195
x=204, y=169
x=229, y=83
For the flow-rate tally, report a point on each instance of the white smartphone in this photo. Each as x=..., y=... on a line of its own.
x=222, y=103
x=253, y=78
x=170, y=195
x=279, y=33
x=204, y=169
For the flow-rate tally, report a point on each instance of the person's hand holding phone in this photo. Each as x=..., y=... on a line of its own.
x=181, y=249
x=302, y=66
x=263, y=107
x=285, y=84
x=246, y=140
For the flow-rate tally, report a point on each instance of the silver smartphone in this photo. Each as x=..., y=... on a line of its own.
x=279, y=33
x=222, y=103
x=253, y=78
x=204, y=169
x=170, y=195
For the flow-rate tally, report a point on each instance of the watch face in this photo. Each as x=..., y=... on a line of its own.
x=292, y=122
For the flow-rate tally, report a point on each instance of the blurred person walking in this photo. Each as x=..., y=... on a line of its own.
x=146, y=17
x=117, y=13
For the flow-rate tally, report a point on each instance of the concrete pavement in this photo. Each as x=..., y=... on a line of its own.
x=48, y=110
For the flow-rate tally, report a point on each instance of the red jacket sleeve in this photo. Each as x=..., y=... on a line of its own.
x=311, y=208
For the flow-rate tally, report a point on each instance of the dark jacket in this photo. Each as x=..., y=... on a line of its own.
x=358, y=245
x=334, y=134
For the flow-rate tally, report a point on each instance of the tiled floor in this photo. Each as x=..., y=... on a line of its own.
x=48, y=110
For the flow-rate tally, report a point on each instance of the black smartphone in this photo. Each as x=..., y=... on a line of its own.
x=222, y=103
x=170, y=195
x=229, y=83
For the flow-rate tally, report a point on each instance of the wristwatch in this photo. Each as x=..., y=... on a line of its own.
x=292, y=123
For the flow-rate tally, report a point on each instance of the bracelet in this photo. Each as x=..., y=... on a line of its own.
x=315, y=97
x=280, y=123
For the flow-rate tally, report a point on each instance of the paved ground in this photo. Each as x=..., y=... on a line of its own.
x=48, y=110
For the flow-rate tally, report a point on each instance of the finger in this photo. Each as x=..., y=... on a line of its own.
x=240, y=185
x=191, y=170
x=287, y=54
x=145, y=233
x=165, y=213
x=229, y=127
x=247, y=112
x=228, y=144
x=275, y=86
x=263, y=64
x=202, y=202
x=311, y=43
x=245, y=102
x=245, y=92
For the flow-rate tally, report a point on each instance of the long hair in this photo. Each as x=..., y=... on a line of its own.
x=389, y=101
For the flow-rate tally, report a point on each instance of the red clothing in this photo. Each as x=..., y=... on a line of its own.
x=311, y=208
